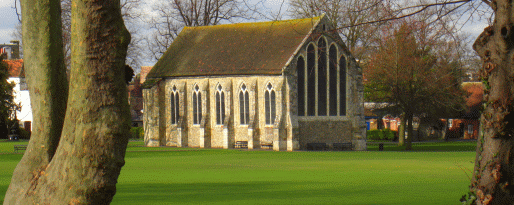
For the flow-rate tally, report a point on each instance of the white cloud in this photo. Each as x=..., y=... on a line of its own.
x=6, y=3
x=6, y=35
x=275, y=2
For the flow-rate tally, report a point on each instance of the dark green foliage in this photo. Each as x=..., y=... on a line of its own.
x=385, y=134
x=468, y=199
x=137, y=133
x=7, y=105
x=24, y=134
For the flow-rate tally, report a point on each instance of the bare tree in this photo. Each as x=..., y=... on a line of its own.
x=172, y=15
x=132, y=13
x=346, y=15
x=493, y=176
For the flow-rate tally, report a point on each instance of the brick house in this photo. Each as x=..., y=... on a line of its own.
x=280, y=84
x=468, y=124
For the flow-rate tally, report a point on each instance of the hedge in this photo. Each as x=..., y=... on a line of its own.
x=137, y=133
x=385, y=134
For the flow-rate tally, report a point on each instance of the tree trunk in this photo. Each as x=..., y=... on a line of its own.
x=48, y=87
x=493, y=180
x=408, y=141
x=90, y=153
x=401, y=131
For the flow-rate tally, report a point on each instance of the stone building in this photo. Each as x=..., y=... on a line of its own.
x=279, y=85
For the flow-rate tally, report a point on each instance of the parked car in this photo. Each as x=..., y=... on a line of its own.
x=14, y=137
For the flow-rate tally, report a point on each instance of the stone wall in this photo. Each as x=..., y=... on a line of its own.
x=325, y=131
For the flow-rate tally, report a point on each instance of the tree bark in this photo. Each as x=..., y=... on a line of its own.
x=48, y=87
x=493, y=180
x=90, y=153
x=408, y=141
x=401, y=131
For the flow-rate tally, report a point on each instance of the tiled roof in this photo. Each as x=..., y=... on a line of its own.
x=143, y=73
x=15, y=68
x=234, y=49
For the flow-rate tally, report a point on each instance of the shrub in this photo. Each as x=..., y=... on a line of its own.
x=137, y=133
x=24, y=134
x=385, y=134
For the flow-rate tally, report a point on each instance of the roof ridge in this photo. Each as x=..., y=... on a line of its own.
x=315, y=20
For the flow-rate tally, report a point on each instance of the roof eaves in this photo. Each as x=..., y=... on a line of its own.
x=149, y=83
x=303, y=42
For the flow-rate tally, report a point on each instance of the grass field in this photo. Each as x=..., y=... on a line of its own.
x=435, y=173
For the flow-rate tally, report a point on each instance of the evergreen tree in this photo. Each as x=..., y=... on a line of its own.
x=7, y=105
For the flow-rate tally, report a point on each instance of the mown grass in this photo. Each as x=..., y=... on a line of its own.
x=436, y=173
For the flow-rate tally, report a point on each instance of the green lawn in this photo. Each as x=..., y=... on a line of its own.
x=434, y=174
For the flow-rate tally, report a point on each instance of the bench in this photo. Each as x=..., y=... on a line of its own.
x=241, y=144
x=19, y=147
x=267, y=146
x=317, y=146
x=343, y=146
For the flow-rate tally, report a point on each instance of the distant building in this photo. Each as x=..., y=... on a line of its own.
x=135, y=96
x=11, y=51
x=280, y=85
x=20, y=92
x=467, y=125
x=16, y=70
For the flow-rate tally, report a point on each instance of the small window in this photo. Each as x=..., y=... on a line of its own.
x=470, y=129
x=197, y=105
x=450, y=123
x=269, y=104
x=244, y=107
x=220, y=105
x=174, y=105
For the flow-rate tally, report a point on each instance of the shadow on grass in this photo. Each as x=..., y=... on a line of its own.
x=255, y=192
x=430, y=147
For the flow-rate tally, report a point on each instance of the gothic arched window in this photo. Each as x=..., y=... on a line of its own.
x=197, y=105
x=220, y=105
x=311, y=81
x=244, y=105
x=174, y=105
x=322, y=77
x=342, y=86
x=269, y=104
x=300, y=71
x=332, y=55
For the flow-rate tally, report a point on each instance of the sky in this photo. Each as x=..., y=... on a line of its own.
x=9, y=19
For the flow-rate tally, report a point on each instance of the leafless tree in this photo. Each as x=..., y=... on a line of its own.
x=132, y=13
x=172, y=15
x=346, y=15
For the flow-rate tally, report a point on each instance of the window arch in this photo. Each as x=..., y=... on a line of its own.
x=220, y=105
x=332, y=55
x=322, y=77
x=342, y=85
x=244, y=106
x=300, y=71
x=174, y=105
x=269, y=104
x=197, y=105
x=311, y=80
